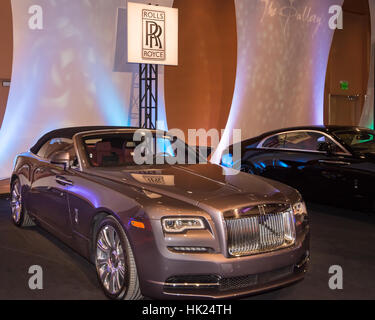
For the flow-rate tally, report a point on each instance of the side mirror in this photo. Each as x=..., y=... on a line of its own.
x=61, y=158
x=326, y=147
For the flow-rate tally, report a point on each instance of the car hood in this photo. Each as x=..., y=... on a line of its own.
x=208, y=184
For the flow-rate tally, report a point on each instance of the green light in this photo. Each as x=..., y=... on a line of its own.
x=344, y=85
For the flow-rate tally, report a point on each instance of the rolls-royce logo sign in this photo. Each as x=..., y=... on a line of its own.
x=153, y=35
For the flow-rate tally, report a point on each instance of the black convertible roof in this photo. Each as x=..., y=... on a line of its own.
x=69, y=133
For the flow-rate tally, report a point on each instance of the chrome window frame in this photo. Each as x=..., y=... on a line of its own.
x=345, y=151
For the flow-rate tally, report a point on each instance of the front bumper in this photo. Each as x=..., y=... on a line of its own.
x=239, y=286
x=170, y=275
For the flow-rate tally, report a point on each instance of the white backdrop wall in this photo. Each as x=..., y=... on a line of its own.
x=283, y=50
x=73, y=72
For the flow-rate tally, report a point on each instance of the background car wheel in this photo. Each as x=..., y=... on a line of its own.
x=114, y=260
x=19, y=214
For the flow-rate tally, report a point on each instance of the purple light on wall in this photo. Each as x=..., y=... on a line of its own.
x=63, y=75
x=281, y=66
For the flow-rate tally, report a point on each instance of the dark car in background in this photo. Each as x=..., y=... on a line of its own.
x=334, y=164
x=160, y=230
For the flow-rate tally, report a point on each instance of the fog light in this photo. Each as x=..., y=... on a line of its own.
x=191, y=249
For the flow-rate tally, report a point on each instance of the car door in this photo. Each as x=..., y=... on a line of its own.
x=360, y=173
x=339, y=175
x=49, y=191
x=261, y=158
x=314, y=172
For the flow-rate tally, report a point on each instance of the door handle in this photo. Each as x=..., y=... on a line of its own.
x=337, y=163
x=63, y=181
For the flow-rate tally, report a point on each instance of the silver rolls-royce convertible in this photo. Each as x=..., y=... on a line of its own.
x=160, y=230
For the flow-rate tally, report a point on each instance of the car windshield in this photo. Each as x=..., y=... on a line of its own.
x=362, y=141
x=127, y=149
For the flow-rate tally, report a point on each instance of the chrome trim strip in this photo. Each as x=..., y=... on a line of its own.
x=340, y=163
x=80, y=167
x=63, y=181
x=244, y=292
x=192, y=285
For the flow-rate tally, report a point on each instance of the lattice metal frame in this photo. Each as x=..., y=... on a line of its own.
x=148, y=96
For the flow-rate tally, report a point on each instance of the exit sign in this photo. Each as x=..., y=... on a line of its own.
x=344, y=85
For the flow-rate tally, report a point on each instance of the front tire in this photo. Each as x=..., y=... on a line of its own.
x=19, y=215
x=114, y=261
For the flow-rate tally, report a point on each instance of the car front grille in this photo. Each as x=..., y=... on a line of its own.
x=262, y=232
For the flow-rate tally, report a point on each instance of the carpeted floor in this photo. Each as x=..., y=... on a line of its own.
x=339, y=237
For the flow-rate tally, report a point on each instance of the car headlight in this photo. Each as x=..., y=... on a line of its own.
x=178, y=225
x=300, y=211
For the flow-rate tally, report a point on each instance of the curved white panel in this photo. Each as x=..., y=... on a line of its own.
x=283, y=50
x=70, y=73
x=367, y=118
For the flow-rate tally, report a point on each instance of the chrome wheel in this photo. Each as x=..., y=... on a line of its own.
x=16, y=202
x=110, y=260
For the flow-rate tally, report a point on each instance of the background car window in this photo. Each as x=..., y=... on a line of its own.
x=359, y=140
x=309, y=141
x=275, y=142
